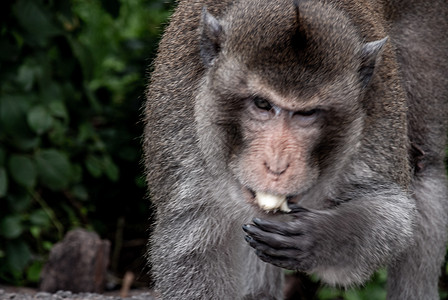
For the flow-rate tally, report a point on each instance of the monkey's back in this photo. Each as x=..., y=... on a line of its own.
x=419, y=32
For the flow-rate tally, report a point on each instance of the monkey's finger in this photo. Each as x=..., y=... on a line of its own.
x=295, y=208
x=272, y=239
x=266, y=249
x=285, y=263
x=284, y=228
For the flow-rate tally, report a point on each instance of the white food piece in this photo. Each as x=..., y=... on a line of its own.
x=272, y=202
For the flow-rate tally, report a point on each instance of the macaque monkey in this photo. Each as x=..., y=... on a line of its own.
x=305, y=135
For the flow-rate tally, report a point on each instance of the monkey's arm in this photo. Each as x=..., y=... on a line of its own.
x=343, y=245
x=184, y=256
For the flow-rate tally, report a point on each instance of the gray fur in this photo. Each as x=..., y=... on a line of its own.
x=379, y=195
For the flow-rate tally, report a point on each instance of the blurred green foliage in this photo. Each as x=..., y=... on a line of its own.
x=373, y=290
x=72, y=78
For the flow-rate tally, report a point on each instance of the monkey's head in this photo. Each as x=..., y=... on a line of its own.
x=280, y=105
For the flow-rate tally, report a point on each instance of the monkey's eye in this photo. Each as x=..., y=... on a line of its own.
x=307, y=113
x=306, y=117
x=262, y=104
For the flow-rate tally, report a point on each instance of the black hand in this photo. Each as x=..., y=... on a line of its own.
x=286, y=244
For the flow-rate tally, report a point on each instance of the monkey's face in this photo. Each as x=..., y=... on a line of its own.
x=279, y=135
x=282, y=143
x=279, y=105
x=285, y=148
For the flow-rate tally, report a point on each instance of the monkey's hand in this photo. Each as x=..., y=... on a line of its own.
x=343, y=245
x=286, y=244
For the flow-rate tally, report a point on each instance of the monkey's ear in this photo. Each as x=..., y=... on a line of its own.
x=211, y=38
x=370, y=55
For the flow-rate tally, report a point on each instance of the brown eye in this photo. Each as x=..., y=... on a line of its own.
x=307, y=113
x=262, y=104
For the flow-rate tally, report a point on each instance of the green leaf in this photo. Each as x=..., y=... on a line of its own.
x=13, y=113
x=11, y=226
x=39, y=119
x=80, y=192
x=94, y=165
x=22, y=170
x=58, y=109
x=110, y=169
x=85, y=132
x=87, y=62
x=35, y=231
x=35, y=20
x=40, y=218
x=19, y=201
x=382, y=275
x=328, y=293
x=352, y=295
x=33, y=272
x=54, y=169
x=13, y=120
x=28, y=74
x=47, y=245
x=18, y=255
x=3, y=182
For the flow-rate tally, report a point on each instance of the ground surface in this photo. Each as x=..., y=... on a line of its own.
x=7, y=293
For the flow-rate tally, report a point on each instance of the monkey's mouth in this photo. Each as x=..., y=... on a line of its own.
x=270, y=202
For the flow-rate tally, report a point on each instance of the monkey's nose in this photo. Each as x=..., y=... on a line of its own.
x=276, y=168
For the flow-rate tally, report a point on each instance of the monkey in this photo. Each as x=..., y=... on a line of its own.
x=336, y=108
